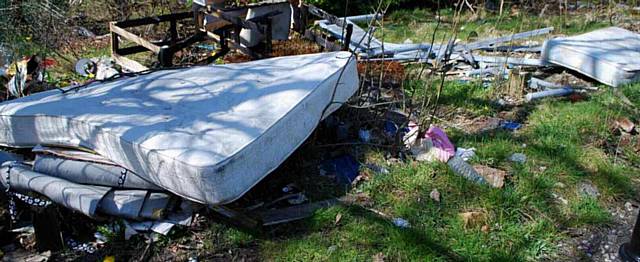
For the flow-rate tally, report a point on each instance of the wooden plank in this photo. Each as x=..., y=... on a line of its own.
x=154, y=19
x=128, y=64
x=139, y=49
x=132, y=37
x=115, y=42
x=173, y=29
x=235, y=217
x=284, y=215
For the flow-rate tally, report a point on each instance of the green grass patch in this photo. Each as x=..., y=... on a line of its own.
x=418, y=25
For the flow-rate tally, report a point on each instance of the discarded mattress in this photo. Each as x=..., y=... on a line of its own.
x=208, y=134
x=87, y=199
x=83, y=199
x=89, y=173
x=610, y=55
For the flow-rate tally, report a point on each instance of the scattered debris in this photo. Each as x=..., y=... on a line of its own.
x=23, y=255
x=401, y=222
x=435, y=195
x=625, y=125
x=473, y=218
x=588, y=189
x=549, y=93
x=482, y=124
x=510, y=125
x=380, y=257
x=462, y=168
x=434, y=146
x=364, y=135
x=378, y=169
x=344, y=168
x=465, y=153
x=519, y=158
x=110, y=182
x=494, y=177
x=338, y=218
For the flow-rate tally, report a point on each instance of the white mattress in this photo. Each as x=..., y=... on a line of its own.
x=610, y=55
x=205, y=133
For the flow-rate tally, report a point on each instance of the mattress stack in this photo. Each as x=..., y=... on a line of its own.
x=133, y=147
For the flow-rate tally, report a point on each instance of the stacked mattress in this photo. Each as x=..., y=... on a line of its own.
x=208, y=134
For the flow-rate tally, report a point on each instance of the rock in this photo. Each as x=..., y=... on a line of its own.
x=588, y=189
x=518, y=158
x=435, y=195
x=408, y=41
x=495, y=177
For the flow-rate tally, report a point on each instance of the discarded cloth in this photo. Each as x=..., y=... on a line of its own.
x=435, y=145
x=442, y=147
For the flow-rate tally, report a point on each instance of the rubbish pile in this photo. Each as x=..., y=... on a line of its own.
x=25, y=76
x=609, y=56
x=152, y=148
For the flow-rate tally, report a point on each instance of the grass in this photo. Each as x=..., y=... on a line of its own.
x=524, y=220
x=418, y=25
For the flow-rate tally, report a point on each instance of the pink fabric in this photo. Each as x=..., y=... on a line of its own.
x=442, y=147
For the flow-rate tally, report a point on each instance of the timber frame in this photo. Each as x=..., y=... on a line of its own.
x=165, y=50
x=228, y=36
